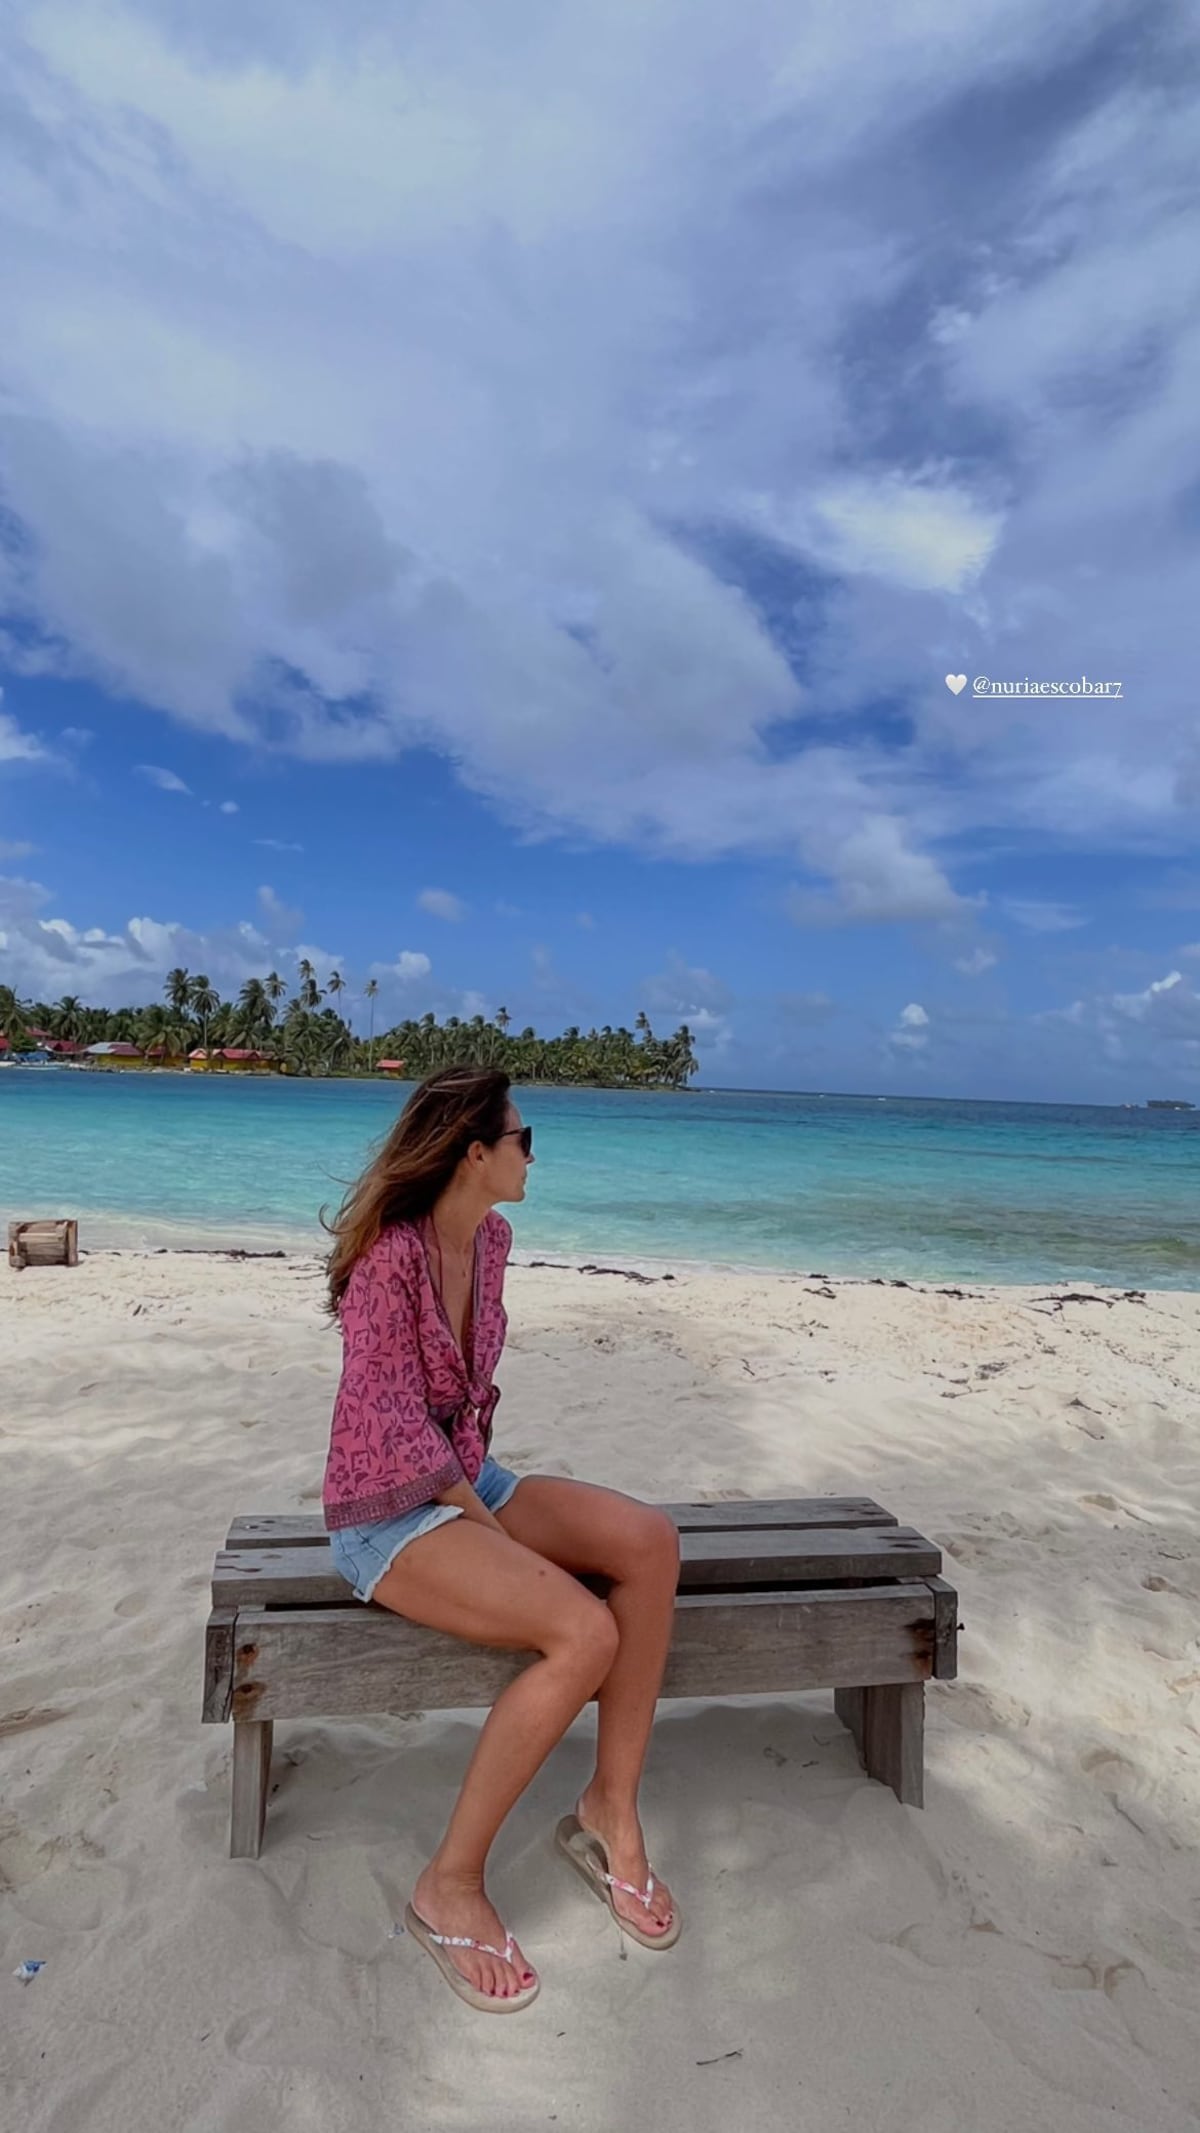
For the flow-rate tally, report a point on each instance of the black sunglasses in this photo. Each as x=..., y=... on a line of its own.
x=524, y=1135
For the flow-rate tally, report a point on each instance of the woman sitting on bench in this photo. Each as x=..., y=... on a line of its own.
x=422, y=1520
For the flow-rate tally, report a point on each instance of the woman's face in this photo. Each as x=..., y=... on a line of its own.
x=506, y=1163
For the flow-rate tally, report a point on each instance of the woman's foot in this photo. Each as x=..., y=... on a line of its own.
x=622, y=1834
x=453, y=1906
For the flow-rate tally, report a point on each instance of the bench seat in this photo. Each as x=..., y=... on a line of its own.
x=774, y=1597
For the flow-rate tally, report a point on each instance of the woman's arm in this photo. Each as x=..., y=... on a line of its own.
x=386, y=1434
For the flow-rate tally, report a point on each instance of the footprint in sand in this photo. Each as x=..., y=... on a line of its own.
x=75, y=1899
x=1111, y=1503
x=27, y=1721
x=983, y=1710
x=1107, y=1765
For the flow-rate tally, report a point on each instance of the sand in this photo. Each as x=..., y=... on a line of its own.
x=1023, y=1954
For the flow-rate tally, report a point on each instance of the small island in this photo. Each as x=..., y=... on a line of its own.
x=1169, y=1103
x=264, y=1031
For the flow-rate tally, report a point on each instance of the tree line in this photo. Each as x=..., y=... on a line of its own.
x=306, y=1032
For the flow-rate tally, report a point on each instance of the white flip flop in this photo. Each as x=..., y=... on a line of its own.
x=588, y=1854
x=484, y=2002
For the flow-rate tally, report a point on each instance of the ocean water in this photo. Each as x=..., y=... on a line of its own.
x=904, y=1187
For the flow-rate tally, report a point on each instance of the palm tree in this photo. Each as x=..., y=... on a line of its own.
x=16, y=1025
x=312, y=1042
x=258, y=1010
x=178, y=989
x=308, y=992
x=335, y=983
x=67, y=1018
x=204, y=1000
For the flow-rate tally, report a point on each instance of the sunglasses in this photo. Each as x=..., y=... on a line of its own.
x=524, y=1135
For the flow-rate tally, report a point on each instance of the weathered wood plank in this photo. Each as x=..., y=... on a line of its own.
x=306, y=1577
x=43, y=1243
x=893, y=1739
x=342, y=1662
x=945, y=1629
x=848, y=1703
x=888, y=1725
x=218, y=1663
x=302, y=1529
x=251, y=1781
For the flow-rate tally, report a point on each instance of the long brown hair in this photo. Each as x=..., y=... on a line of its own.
x=444, y=1114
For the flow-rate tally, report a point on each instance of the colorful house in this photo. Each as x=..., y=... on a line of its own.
x=116, y=1053
x=231, y=1059
x=389, y=1066
x=243, y=1060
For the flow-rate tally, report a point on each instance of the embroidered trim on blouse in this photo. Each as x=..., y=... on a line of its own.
x=394, y=1502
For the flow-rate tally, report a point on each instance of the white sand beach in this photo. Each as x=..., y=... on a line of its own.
x=1022, y=1955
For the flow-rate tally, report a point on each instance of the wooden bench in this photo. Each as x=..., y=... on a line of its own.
x=803, y=1593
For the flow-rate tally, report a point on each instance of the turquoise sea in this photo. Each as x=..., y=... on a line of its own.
x=900, y=1186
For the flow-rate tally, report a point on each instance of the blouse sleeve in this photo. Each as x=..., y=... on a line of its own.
x=385, y=1412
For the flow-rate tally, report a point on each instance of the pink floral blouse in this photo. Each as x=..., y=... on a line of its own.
x=412, y=1415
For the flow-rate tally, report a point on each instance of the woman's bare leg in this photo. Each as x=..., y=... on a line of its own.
x=480, y=1585
x=585, y=1528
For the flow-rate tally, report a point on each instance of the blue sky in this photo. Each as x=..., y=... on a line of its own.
x=490, y=498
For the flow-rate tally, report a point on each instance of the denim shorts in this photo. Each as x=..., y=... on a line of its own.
x=363, y=1553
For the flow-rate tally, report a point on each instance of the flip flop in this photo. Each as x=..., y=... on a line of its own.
x=588, y=1854
x=484, y=2002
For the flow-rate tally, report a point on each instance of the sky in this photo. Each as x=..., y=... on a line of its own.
x=491, y=498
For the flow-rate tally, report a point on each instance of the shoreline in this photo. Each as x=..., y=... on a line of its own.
x=102, y=1232
x=1071, y=1290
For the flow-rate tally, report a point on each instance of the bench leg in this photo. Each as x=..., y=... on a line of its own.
x=251, y=1776
x=888, y=1725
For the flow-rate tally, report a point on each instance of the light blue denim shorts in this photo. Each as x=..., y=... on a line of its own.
x=361, y=1554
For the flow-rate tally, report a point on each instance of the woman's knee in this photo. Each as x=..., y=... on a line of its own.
x=586, y=1635
x=653, y=1545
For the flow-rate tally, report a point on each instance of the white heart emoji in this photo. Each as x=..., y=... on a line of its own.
x=955, y=682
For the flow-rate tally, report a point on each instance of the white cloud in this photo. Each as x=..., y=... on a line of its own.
x=1152, y=1036
x=166, y=780
x=277, y=844
x=691, y=994
x=1037, y=916
x=974, y=964
x=877, y=879
x=925, y=536
x=911, y=1032
x=628, y=468
x=17, y=746
x=682, y=989
x=441, y=904
x=12, y=850
x=1139, y=1005
x=585, y=919
x=409, y=965
x=278, y=918
x=46, y=955
x=229, y=807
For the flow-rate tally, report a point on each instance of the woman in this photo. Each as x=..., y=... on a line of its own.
x=423, y=1521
